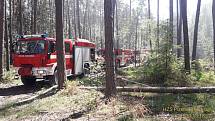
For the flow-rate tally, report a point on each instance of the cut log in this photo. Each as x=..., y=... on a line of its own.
x=180, y=90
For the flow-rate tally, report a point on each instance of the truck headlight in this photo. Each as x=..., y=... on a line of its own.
x=41, y=72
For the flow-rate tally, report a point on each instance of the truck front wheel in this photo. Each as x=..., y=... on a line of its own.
x=28, y=81
x=53, y=79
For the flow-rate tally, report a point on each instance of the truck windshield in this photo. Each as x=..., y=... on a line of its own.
x=30, y=47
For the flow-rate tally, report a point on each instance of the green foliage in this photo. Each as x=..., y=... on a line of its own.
x=162, y=67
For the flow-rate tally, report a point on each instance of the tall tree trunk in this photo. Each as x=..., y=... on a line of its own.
x=213, y=16
x=130, y=33
x=158, y=22
x=101, y=25
x=108, y=17
x=84, y=22
x=78, y=18
x=32, y=16
x=135, y=46
x=35, y=17
x=6, y=39
x=195, y=38
x=10, y=30
x=117, y=33
x=171, y=21
x=186, y=36
x=74, y=18
x=60, y=44
x=1, y=36
x=179, y=30
x=117, y=26
x=69, y=21
x=20, y=29
x=149, y=24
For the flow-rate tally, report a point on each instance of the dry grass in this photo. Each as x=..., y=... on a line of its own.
x=71, y=88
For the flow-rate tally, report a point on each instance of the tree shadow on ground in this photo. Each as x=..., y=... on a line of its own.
x=21, y=89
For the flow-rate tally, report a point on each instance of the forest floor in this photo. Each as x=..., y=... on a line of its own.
x=73, y=103
x=89, y=105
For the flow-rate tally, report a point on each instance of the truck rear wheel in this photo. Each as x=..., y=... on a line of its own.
x=53, y=79
x=28, y=81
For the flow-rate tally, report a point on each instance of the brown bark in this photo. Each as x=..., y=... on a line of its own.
x=60, y=44
x=195, y=38
x=10, y=30
x=101, y=25
x=69, y=21
x=179, y=30
x=35, y=17
x=109, y=60
x=117, y=26
x=74, y=19
x=78, y=18
x=186, y=36
x=6, y=40
x=135, y=46
x=84, y=22
x=20, y=29
x=1, y=36
x=117, y=33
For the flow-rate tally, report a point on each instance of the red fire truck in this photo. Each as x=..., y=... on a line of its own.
x=123, y=57
x=35, y=57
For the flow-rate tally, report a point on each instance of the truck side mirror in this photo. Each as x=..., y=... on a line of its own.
x=49, y=56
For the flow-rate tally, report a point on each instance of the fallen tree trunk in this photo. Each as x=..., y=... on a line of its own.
x=180, y=90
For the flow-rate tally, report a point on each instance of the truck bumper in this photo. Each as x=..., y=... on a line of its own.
x=42, y=72
x=37, y=72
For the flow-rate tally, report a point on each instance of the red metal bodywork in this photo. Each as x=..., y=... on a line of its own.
x=27, y=62
x=121, y=55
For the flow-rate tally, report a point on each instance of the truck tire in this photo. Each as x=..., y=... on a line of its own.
x=28, y=81
x=53, y=80
x=82, y=75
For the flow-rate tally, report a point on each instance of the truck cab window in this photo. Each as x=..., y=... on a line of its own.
x=30, y=47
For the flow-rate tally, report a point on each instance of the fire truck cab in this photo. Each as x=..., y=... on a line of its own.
x=35, y=57
x=123, y=57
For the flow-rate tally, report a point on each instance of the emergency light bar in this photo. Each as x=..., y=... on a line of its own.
x=33, y=36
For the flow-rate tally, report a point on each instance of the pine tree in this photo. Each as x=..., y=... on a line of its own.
x=109, y=60
x=60, y=44
x=186, y=35
x=1, y=36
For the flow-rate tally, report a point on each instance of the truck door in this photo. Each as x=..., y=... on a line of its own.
x=68, y=57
